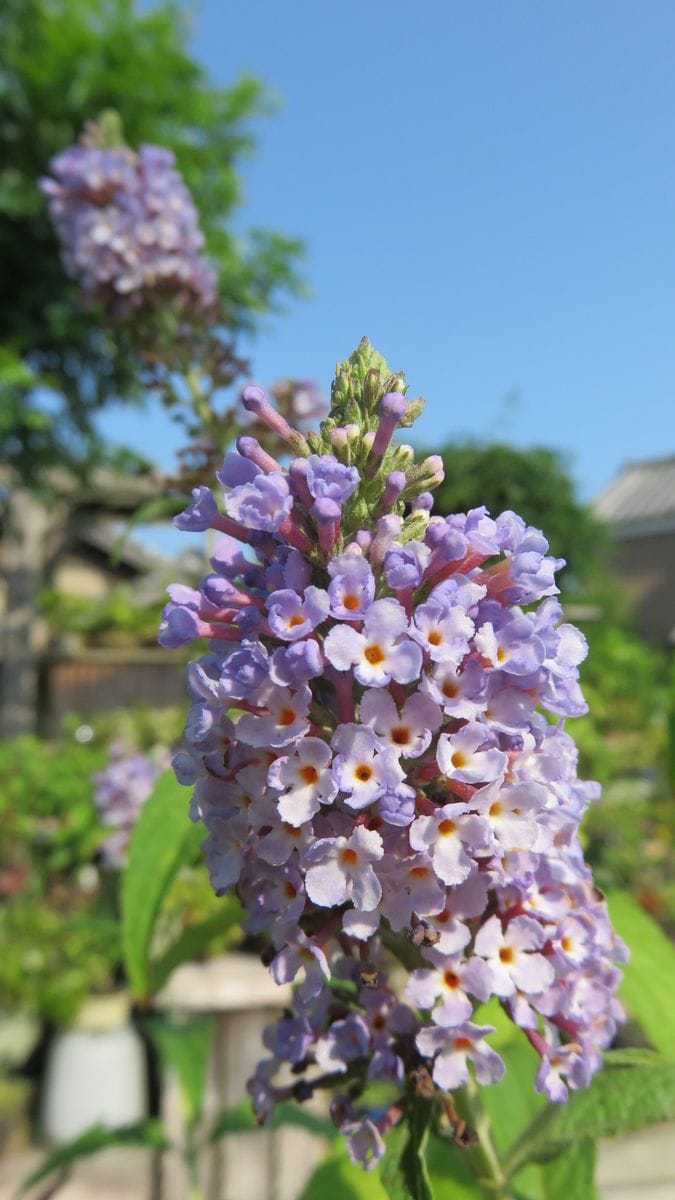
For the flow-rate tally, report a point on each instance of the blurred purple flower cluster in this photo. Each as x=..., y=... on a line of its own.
x=373, y=755
x=128, y=228
x=120, y=791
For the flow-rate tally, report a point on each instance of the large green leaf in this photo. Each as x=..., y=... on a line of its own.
x=403, y=1169
x=618, y=1100
x=145, y=1133
x=163, y=841
x=336, y=1178
x=195, y=939
x=649, y=977
x=571, y=1176
x=183, y=1046
x=450, y=1171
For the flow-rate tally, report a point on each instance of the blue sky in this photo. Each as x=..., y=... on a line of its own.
x=486, y=190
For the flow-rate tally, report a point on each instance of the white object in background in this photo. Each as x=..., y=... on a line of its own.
x=96, y=1072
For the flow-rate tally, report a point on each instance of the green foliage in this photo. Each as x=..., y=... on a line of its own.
x=59, y=915
x=163, y=841
x=57, y=925
x=572, y=1174
x=240, y=1118
x=403, y=1171
x=194, y=939
x=624, y=680
x=145, y=1133
x=619, y=1099
x=118, y=613
x=183, y=1046
x=339, y=1179
x=534, y=483
x=629, y=835
x=63, y=62
x=649, y=975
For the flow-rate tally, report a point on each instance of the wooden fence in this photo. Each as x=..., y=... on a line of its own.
x=99, y=680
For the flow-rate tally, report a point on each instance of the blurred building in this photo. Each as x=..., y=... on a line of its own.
x=639, y=506
x=66, y=542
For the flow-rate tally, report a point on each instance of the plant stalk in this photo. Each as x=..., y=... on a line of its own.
x=482, y=1156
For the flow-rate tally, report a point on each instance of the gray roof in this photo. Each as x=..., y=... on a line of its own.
x=641, y=500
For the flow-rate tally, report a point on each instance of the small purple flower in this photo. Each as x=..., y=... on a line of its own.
x=446, y=836
x=201, y=514
x=296, y=663
x=292, y=617
x=361, y=768
x=329, y=479
x=447, y=988
x=404, y=566
x=452, y=1049
x=352, y=586
x=511, y=956
x=379, y=654
x=303, y=780
x=346, y=1041
x=341, y=869
x=263, y=503
x=443, y=633
x=408, y=732
x=301, y=954
x=285, y=721
x=561, y=1068
x=468, y=756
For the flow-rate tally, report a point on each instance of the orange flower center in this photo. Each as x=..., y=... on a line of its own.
x=350, y=602
x=286, y=716
x=459, y=759
x=446, y=827
x=309, y=774
x=374, y=654
x=434, y=637
x=363, y=772
x=450, y=979
x=400, y=735
x=349, y=856
x=462, y=1043
x=295, y=620
x=506, y=954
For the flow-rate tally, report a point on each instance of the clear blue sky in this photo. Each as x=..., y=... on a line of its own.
x=488, y=191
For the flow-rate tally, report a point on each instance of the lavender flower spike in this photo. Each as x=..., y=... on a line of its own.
x=372, y=753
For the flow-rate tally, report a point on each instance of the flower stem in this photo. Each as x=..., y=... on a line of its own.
x=482, y=1155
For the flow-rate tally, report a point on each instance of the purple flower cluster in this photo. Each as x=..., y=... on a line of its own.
x=377, y=750
x=120, y=791
x=128, y=228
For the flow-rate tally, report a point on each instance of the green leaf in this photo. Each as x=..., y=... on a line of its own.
x=572, y=1174
x=336, y=1178
x=145, y=1133
x=616, y=1101
x=450, y=1172
x=163, y=840
x=240, y=1119
x=649, y=976
x=184, y=1047
x=194, y=940
x=403, y=1169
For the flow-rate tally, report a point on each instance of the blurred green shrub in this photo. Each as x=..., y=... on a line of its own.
x=624, y=743
x=59, y=912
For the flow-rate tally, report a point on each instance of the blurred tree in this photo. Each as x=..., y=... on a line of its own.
x=536, y=484
x=61, y=63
